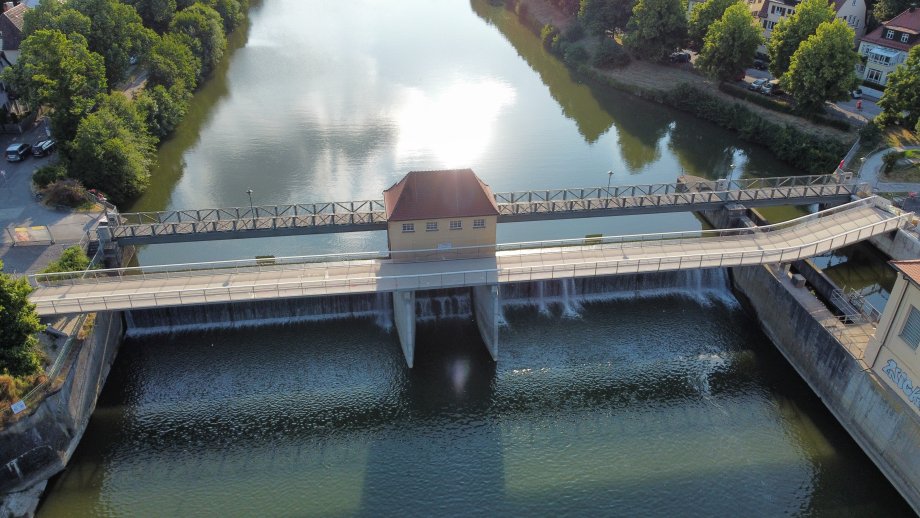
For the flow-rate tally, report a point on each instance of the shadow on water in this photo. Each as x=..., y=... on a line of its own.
x=861, y=267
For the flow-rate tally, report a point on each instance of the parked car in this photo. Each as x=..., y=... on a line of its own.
x=739, y=76
x=757, y=85
x=44, y=148
x=857, y=94
x=17, y=152
x=760, y=64
x=771, y=88
x=679, y=57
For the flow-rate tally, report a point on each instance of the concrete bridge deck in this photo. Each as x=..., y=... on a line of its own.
x=178, y=285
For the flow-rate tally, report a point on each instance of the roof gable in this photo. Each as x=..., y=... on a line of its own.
x=910, y=269
x=455, y=193
x=11, y=26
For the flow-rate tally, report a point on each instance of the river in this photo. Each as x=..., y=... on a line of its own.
x=666, y=402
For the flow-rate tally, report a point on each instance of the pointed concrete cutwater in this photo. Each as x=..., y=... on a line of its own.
x=488, y=313
x=404, y=316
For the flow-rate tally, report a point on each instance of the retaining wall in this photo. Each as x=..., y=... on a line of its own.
x=39, y=445
x=900, y=245
x=875, y=417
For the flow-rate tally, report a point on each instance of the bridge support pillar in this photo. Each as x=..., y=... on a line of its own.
x=488, y=313
x=404, y=316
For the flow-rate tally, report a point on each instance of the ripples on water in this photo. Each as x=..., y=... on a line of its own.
x=664, y=405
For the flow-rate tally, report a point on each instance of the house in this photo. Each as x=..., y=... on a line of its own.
x=768, y=13
x=892, y=352
x=887, y=47
x=435, y=213
x=10, y=38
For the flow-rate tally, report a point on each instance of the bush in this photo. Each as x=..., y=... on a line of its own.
x=870, y=133
x=48, y=174
x=890, y=159
x=66, y=192
x=520, y=10
x=12, y=389
x=73, y=259
x=560, y=43
x=548, y=35
x=19, y=353
x=610, y=54
x=576, y=53
x=575, y=32
x=772, y=104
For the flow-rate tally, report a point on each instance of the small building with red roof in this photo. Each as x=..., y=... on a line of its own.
x=440, y=215
x=888, y=46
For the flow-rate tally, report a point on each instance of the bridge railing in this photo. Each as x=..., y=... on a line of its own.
x=300, y=288
x=363, y=259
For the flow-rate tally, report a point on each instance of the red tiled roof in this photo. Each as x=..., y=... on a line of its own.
x=11, y=26
x=910, y=269
x=907, y=21
x=456, y=193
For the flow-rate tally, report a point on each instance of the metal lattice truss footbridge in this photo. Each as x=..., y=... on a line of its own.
x=262, y=279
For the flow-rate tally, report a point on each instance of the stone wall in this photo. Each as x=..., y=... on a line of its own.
x=39, y=445
x=874, y=416
x=900, y=245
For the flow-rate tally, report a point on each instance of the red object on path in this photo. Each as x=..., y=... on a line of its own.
x=841, y=165
x=859, y=105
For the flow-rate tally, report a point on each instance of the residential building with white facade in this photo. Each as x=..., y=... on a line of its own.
x=887, y=47
x=768, y=13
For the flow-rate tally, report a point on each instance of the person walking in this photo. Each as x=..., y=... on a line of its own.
x=859, y=105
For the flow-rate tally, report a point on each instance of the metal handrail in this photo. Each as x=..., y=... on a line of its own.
x=736, y=258
x=363, y=258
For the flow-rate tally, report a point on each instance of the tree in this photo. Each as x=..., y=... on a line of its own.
x=790, y=32
x=51, y=15
x=702, y=16
x=730, y=44
x=73, y=259
x=162, y=109
x=205, y=28
x=823, y=69
x=117, y=34
x=656, y=29
x=599, y=16
x=112, y=150
x=885, y=10
x=170, y=61
x=903, y=91
x=59, y=72
x=19, y=355
x=156, y=13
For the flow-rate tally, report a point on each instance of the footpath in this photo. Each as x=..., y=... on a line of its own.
x=19, y=209
x=870, y=173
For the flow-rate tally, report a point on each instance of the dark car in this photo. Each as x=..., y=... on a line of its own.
x=679, y=57
x=43, y=148
x=739, y=76
x=17, y=152
x=760, y=64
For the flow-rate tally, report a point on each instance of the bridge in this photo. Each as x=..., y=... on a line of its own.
x=688, y=194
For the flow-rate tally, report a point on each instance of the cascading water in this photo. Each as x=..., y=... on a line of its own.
x=440, y=304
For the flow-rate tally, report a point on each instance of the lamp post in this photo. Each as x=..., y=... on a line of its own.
x=731, y=173
x=862, y=162
x=609, y=177
x=251, y=210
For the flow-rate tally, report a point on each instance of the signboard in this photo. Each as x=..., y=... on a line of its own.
x=443, y=246
x=32, y=235
x=18, y=406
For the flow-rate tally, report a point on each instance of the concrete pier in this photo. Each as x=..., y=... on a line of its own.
x=404, y=316
x=488, y=312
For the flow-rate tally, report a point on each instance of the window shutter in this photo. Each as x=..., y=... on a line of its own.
x=911, y=331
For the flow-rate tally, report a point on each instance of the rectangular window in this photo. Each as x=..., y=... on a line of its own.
x=770, y=25
x=431, y=226
x=764, y=24
x=408, y=227
x=910, y=333
x=874, y=75
x=889, y=35
x=456, y=225
x=904, y=37
x=479, y=223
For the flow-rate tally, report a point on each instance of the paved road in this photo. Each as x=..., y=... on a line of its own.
x=19, y=209
x=806, y=239
x=869, y=173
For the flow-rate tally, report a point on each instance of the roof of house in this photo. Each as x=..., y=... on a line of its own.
x=456, y=193
x=908, y=21
x=11, y=27
x=910, y=269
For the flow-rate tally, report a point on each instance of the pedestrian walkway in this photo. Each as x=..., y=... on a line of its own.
x=870, y=173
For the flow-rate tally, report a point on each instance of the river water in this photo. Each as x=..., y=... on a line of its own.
x=665, y=402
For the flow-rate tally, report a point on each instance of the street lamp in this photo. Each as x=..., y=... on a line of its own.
x=251, y=210
x=731, y=173
x=862, y=162
x=609, y=177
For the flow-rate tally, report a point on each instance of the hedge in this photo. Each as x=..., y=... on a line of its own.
x=772, y=104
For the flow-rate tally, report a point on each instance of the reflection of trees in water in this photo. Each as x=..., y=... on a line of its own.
x=698, y=152
x=860, y=267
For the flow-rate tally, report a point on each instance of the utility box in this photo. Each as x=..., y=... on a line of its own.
x=798, y=281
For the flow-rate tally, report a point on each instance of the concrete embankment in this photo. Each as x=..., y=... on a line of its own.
x=877, y=419
x=38, y=445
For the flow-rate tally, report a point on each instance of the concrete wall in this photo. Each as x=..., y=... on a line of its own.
x=488, y=312
x=422, y=239
x=873, y=414
x=900, y=246
x=404, y=317
x=39, y=445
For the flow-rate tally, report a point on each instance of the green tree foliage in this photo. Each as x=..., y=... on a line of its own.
x=117, y=34
x=656, y=29
x=72, y=260
x=568, y=6
x=113, y=149
x=610, y=54
x=162, y=109
x=170, y=62
x=156, y=13
x=205, y=28
x=730, y=44
x=885, y=10
x=59, y=72
x=19, y=354
x=790, y=32
x=903, y=91
x=823, y=69
x=576, y=54
x=702, y=16
x=547, y=34
x=599, y=16
x=232, y=12
x=53, y=15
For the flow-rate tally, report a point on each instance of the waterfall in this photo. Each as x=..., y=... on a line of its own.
x=440, y=304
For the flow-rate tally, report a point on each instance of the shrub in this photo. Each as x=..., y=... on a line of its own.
x=575, y=32
x=48, y=174
x=890, y=159
x=560, y=43
x=73, y=259
x=19, y=354
x=772, y=104
x=66, y=192
x=870, y=133
x=576, y=53
x=610, y=54
x=548, y=35
x=520, y=9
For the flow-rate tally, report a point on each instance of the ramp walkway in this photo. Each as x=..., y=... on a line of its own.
x=232, y=281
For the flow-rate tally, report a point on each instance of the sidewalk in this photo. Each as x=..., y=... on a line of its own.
x=869, y=172
x=19, y=209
